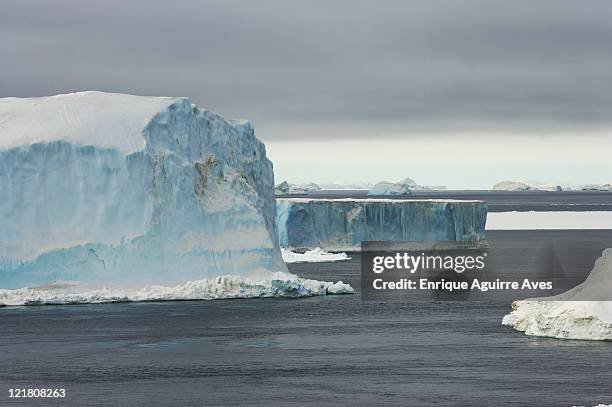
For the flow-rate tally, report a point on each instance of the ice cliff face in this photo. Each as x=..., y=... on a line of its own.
x=115, y=188
x=584, y=312
x=341, y=224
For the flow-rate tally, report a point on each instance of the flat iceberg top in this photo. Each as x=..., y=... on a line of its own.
x=106, y=120
x=306, y=200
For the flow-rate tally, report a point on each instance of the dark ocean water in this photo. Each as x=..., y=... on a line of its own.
x=334, y=350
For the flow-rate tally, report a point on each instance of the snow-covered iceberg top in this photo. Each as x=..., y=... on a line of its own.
x=105, y=120
x=316, y=255
x=584, y=312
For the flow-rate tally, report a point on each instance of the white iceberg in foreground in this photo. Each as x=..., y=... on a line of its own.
x=584, y=312
x=316, y=255
x=262, y=285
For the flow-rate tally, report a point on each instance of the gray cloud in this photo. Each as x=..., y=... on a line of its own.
x=419, y=66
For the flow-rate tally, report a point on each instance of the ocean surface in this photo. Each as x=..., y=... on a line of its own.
x=314, y=351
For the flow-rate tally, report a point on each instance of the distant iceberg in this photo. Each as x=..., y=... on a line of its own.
x=594, y=187
x=402, y=187
x=316, y=255
x=285, y=188
x=511, y=186
x=117, y=190
x=584, y=312
x=346, y=185
x=341, y=224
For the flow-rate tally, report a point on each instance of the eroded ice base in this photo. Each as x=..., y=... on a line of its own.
x=262, y=284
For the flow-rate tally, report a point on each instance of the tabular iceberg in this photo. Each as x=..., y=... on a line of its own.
x=104, y=188
x=584, y=312
x=341, y=224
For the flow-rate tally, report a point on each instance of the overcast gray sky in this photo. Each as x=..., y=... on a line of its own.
x=341, y=74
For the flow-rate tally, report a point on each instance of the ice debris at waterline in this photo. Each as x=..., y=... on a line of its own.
x=341, y=224
x=120, y=189
x=277, y=285
x=316, y=255
x=584, y=312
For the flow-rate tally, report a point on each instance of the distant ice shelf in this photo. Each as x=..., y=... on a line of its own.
x=341, y=224
x=523, y=186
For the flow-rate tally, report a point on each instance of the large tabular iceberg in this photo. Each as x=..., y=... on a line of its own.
x=341, y=224
x=106, y=188
x=584, y=312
